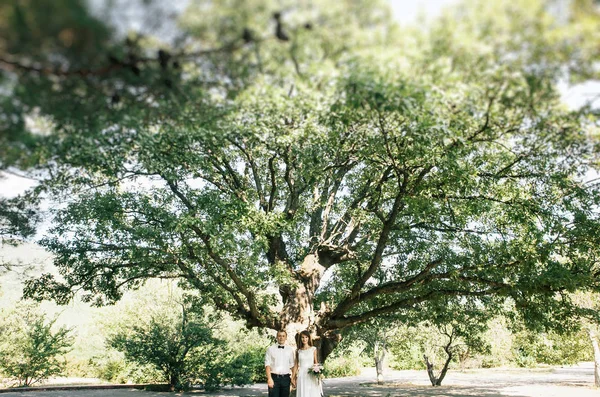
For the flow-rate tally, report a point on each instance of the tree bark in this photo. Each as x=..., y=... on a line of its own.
x=379, y=369
x=327, y=343
x=379, y=358
x=298, y=313
x=437, y=380
x=432, y=377
x=594, y=340
x=442, y=374
x=173, y=380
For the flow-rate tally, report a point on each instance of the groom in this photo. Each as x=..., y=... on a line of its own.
x=279, y=364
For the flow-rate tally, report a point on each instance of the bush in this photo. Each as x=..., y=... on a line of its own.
x=408, y=346
x=175, y=337
x=166, y=343
x=409, y=356
x=79, y=368
x=227, y=366
x=30, y=350
x=243, y=358
x=244, y=367
x=339, y=367
x=530, y=348
x=113, y=368
x=175, y=334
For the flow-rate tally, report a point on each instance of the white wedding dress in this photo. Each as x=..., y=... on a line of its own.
x=307, y=385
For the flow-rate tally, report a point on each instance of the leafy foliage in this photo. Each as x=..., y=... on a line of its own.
x=173, y=341
x=18, y=219
x=339, y=366
x=319, y=166
x=502, y=345
x=30, y=349
x=113, y=367
x=180, y=339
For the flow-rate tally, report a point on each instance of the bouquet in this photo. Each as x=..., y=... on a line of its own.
x=317, y=371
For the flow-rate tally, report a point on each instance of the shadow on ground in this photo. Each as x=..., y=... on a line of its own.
x=576, y=381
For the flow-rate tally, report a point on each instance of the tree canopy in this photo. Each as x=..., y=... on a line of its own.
x=312, y=165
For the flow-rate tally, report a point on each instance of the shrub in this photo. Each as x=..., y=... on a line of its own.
x=408, y=356
x=30, y=350
x=174, y=334
x=530, y=348
x=244, y=367
x=166, y=343
x=339, y=367
x=115, y=369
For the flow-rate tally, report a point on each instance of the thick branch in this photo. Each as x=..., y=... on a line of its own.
x=249, y=315
x=381, y=245
x=14, y=65
x=343, y=322
x=387, y=288
x=254, y=312
x=255, y=175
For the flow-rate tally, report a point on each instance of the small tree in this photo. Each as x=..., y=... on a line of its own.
x=406, y=347
x=450, y=348
x=589, y=303
x=30, y=350
x=375, y=336
x=173, y=334
x=461, y=325
x=170, y=341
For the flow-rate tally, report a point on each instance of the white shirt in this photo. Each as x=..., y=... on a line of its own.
x=280, y=360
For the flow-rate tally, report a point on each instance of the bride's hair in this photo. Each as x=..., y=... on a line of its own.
x=306, y=333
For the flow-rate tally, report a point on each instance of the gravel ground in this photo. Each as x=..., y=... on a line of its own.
x=575, y=381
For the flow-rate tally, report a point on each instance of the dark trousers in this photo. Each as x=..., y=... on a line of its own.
x=281, y=386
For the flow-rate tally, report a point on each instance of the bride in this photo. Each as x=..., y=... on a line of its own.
x=308, y=384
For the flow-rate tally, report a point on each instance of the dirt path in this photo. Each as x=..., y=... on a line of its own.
x=576, y=381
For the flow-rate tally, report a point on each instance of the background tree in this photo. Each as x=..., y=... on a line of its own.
x=31, y=350
x=17, y=220
x=461, y=327
x=167, y=340
x=315, y=166
x=375, y=337
x=589, y=303
x=531, y=348
x=179, y=337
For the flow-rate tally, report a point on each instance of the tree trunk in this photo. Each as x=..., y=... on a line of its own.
x=326, y=343
x=594, y=340
x=379, y=369
x=437, y=380
x=379, y=357
x=432, y=377
x=173, y=380
x=298, y=313
x=442, y=374
x=463, y=357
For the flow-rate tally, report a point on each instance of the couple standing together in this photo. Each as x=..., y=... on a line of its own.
x=288, y=367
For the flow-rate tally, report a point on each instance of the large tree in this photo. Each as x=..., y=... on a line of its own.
x=316, y=166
